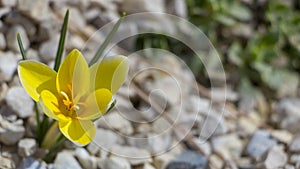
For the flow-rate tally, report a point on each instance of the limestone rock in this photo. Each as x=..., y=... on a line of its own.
x=11, y=38
x=11, y=133
x=27, y=147
x=66, y=160
x=19, y=101
x=259, y=144
x=8, y=66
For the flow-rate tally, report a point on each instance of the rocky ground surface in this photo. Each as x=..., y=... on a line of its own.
x=249, y=134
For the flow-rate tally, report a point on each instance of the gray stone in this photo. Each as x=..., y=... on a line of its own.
x=163, y=91
x=246, y=126
x=245, y=163
x=46, y=30
x=27, y=147
x=114, y=163
x=117, y=122
x=228, y=146
x=6, y=163
x=275, y=158
x=177, y=7
x=3, y=91
x=154, y=143
x=195, y=104
x=16, y=18
x=127, y=29
x=159, y=143
x=259, y=144
x=104, y=139
x=144, y=128
x=160, y=125
x=282, y=136
x=8, y=3
x=38, y=10
x=134, y=155
x=216, y=160
x=163, y=160
x=288, y=114
x=295, y=145
x=214, y=124
x=4, y=11
x=2, y=42
x=219, y=94
x=31, y=163
x=109, y=5
x=288, y=166
x=11, y=38
x=188, y=160
x=85, y=159
x=295, y=158
x=11, y=133
x=76, y=17
x=66, y=160
x=19, y=101
x=105, y=18
x=91, y=14
x=76, y=42
x=8, y=66
x=32, y=54
x=204, y=145
x=148, y=166
x=47, y=50
x=136, y=6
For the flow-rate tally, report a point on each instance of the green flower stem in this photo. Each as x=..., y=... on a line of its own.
x=54, y=148
x=37, y=116
x=106, y=41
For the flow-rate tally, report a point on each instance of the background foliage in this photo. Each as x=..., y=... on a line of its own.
x=258, y=41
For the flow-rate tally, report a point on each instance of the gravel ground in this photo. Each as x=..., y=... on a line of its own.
x=243, y=132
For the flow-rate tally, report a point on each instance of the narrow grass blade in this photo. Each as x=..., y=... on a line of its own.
x=106, y=41
x=37, y=116
x=44, y=128
x=49, y=156
x=61, y=44
x=21, y=47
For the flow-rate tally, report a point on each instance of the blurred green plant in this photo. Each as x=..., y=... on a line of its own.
x=258, y=41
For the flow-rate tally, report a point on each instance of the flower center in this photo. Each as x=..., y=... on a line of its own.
x=70, y=106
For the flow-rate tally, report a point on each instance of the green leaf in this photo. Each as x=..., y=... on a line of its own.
x=106, y=41
x=239, y=12
x=235, y=54
x=283, y=81
x=225, y=19
x=61, y=42
x=295, y=41
x=21, y=47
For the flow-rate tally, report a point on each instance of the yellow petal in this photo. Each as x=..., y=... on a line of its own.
x=95, y=105
x=36, y=77
x=73, y=75
x=51, y=106
x=78, y=131
x=110, y=73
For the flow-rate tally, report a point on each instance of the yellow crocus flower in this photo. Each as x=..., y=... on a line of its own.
x=76, y=94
